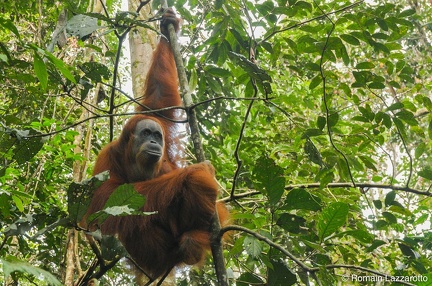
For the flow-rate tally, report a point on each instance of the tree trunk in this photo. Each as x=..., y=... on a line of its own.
x=142, y=44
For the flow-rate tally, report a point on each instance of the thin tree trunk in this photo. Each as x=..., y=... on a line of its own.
x=142, y=43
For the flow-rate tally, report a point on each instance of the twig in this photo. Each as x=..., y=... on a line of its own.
x=310, y=20
x=323, y=76
x=108, y=115
x=237, y=148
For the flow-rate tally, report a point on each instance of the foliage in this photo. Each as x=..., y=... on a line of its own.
x=315, y=114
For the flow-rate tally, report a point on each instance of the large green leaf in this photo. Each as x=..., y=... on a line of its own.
x=13, y=265
x=331, y=219
x=270, y=178
x=125, y=200
x=82, y=25
x=62, y=67
x=280, y=274
x=252, y=246
x=80, y=194
x=301, y=199
x=40, y=71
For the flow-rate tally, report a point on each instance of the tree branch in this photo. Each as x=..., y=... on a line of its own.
x=110, y=116
x=297, y=261
x=310, y=20
x=335, y=185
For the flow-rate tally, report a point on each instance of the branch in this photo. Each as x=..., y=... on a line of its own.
x=229, y=98
x=311, y=20
x=324, y=80
x=110, y=116
x=236, y=151
x=240, y=138
x=335, y=185
x=297, y=261
x=268, y=241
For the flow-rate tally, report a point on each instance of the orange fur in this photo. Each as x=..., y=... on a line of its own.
x=184, y=198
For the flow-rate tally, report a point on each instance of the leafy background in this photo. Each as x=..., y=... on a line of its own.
x=315, y=114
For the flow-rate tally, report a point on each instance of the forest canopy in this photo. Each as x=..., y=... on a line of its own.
x=316, y=116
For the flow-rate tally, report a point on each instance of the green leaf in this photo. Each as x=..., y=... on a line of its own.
x=333, y=119
x=125, y=195
x=14, y=265
x=313, y=132
x=80, y=194
x=290, y=222
x=300, y=199
x=25, y=145
x=387, y=120
x=9, y=26
x=124, y=201
x=62, y=67
x=362, y=77
x=377, y=204
x=331, y=219
x=375, y=245
x=213, y=84
x=280, y=274
x=247, y=278
x=407, y=251
x=376, y=85
x=401, y=126
x=426, y=173
x=325, y=176
x=427, y=102
x=381, y=225
x=317, y=80
x=313, y=153
x=360, y=235
x=217, y=72
x=390, y=197
x=400, y=209
x=389, y=217
x=251, y=68
x=367, y=112
x=82, y=25
x=40, y=71
x=369, y=162
x=252, y=246
x=360, y=118
x=193, y=80
x=383, y=25
x=350, y=39
x=270, y=177
x=390, y=67
x=395, y=106
x=407, y=116
x=96, y=71
x=394, y=84
x=407, y=13
x=18, y=203
x=321, y=122
x=365, y=66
